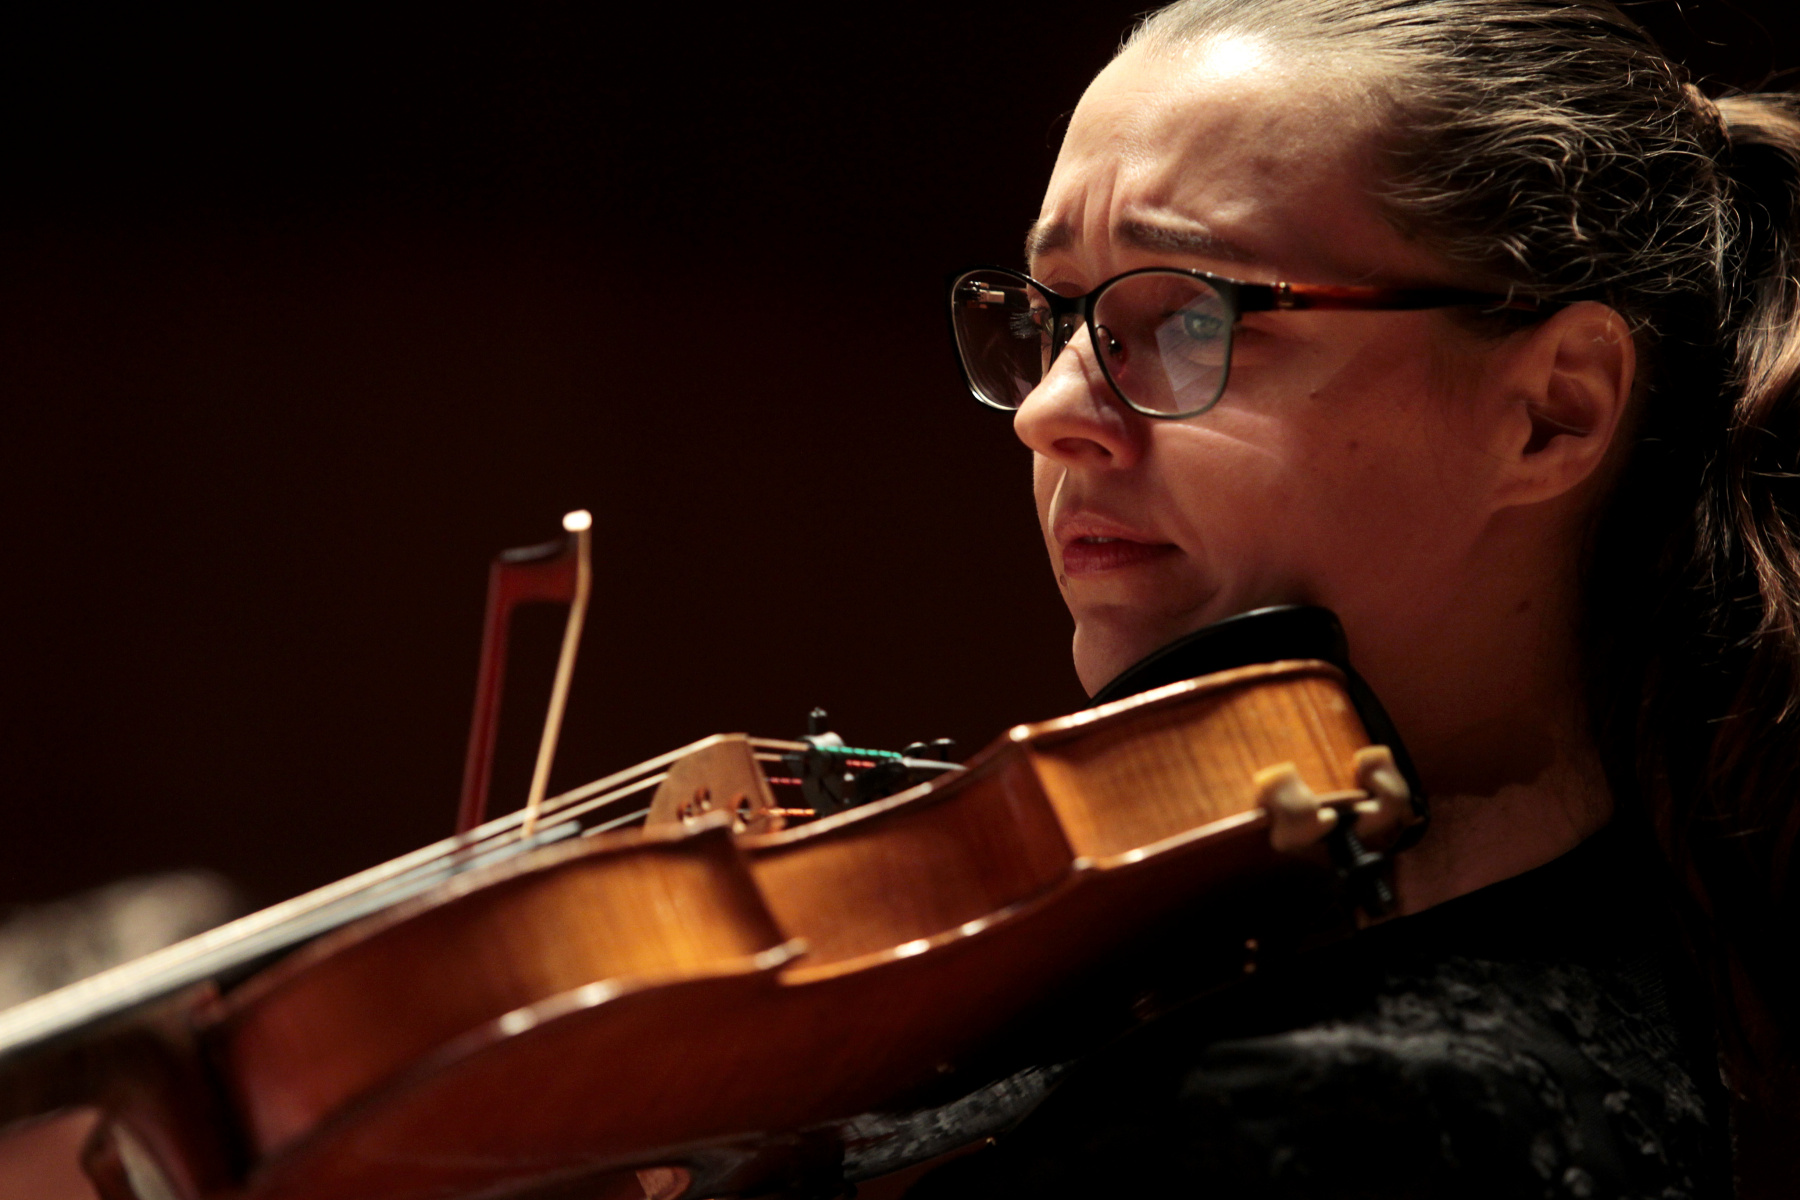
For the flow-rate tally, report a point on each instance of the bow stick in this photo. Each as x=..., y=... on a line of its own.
x=555, y=572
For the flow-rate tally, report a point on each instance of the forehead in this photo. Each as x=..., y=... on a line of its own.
x=1224, y=153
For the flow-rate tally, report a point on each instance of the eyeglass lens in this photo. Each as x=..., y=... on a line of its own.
x=1164, y=338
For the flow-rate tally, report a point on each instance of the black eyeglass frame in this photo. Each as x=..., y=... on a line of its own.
x=1239, y=297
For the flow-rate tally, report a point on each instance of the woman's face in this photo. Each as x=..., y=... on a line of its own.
x=1345, y=464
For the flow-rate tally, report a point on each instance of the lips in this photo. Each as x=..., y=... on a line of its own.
x=1091, y=556
x=1092, y=545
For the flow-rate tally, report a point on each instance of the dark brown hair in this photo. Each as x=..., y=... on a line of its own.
x=1550, y=145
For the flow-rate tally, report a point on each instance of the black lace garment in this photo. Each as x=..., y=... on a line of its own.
x=1542, y=1037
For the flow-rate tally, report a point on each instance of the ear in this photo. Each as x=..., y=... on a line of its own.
x=1568, y=389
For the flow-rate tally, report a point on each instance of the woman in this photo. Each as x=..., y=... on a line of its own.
x=1543, y=467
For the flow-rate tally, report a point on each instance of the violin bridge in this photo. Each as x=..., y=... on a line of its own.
x=721, y=775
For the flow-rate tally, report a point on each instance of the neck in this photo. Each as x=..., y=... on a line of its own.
x=1479, y=839
x=1487, y=691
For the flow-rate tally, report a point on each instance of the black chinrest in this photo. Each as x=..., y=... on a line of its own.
x=1284, y=631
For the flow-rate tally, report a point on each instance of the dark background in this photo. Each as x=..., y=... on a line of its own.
x=305, y=312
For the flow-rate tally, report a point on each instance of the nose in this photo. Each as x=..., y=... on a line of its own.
x=1074, y=417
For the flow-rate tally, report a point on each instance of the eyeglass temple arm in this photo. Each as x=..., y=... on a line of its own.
x=1285, y=297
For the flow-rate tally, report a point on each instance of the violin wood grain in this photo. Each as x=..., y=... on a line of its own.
x=669, y=1074
x=352, y=1009
x=1131, y=774
x=935, y=918
x=914, y=865
x=551, y=1024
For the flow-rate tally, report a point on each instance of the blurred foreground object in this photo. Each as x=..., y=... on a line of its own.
x=44, y=946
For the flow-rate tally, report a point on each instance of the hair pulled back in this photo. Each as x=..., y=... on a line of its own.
x=1550, y=146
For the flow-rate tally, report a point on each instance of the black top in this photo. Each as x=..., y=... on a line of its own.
x=1542, y=1037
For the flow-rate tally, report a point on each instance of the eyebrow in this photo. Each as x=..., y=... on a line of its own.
x=1141, y=235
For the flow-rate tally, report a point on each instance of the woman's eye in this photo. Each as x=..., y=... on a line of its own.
x=1029, y=324
x=1202, y=326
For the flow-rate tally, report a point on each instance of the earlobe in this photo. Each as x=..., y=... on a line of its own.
x=1573, y=385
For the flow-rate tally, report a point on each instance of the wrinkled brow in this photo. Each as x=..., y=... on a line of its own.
x=1141, y=235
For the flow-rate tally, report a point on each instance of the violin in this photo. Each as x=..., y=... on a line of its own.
x=748, y=965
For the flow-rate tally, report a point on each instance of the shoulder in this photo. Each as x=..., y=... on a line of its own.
x=1473, y=1077
x=1411, y=1065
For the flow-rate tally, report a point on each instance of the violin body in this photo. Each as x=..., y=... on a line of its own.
x=687, y=996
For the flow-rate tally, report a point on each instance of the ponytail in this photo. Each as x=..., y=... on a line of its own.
x=1738, y=838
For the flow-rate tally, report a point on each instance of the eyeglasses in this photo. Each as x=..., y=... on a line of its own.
x=1162, y=334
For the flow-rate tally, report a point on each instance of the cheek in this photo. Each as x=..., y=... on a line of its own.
x=1390, y=471
x=1238, y=500
x=1329, y=487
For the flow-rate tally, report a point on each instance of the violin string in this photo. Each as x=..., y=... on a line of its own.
x=208, y=954
x=607, y=800
x=284, y=925
x=616, y=822
x=557, y=805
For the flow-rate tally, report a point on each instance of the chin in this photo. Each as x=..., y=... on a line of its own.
x=1109, y=639
x=1102, y=650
